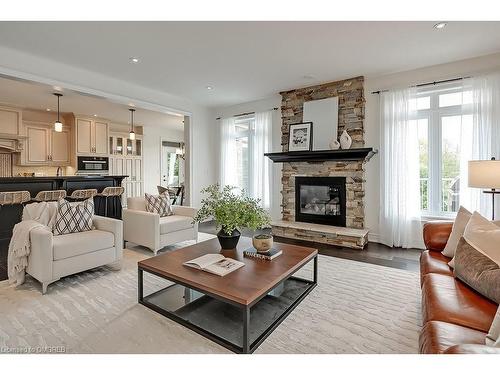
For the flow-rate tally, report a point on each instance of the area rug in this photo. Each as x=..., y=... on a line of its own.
x=356, y=308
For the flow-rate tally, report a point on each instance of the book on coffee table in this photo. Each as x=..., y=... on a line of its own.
x=268, y=255
x=215, y=263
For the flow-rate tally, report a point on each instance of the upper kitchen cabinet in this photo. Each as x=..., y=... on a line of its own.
x=91, y=136
x=10, y=121
x=45, y=146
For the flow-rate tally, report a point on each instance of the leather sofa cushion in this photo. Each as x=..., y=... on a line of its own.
x=447, y=299
x=174, y=223
x=436, y=337
x=74, y=244
x=436, y=234
x=434, y=262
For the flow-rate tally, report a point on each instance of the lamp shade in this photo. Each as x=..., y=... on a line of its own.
x=484, y=174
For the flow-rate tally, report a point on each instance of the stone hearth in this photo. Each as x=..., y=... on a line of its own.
x=351, y=117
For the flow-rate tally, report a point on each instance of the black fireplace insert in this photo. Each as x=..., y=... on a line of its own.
x=320, y=200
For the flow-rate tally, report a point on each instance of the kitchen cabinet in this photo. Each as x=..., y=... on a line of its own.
x=38, y=146
x=121, y=145
x=91, y=137
x=131, y=167
x=10, y=121
x=45, y=146
x=60, y=146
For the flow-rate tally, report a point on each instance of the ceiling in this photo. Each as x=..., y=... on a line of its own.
x=246, y=61
x=28, y=95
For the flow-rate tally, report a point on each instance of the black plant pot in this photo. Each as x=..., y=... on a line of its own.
x=228, y=242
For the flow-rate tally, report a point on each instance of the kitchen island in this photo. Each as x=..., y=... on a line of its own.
x=10, y=215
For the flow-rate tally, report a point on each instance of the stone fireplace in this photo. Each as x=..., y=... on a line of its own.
x=305, y=220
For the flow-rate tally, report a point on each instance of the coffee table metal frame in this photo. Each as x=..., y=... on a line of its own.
x=247, y=347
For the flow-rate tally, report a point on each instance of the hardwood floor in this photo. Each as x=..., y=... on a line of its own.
x=374, y=253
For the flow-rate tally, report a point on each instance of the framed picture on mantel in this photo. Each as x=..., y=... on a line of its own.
x=300, y=136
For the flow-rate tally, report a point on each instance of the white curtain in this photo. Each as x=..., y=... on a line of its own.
x=260, y=166
x=260, y=142
x=228, y=171
x=482, y=141
x=400, y=223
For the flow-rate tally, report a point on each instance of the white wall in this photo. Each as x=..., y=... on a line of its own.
x=26, y=66
x=258, y=106
x=372, y=117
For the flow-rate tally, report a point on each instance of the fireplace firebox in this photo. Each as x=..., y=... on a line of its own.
x=320, y=200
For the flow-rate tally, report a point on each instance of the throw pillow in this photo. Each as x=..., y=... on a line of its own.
x=484, y=236
x=457, y=231
x=477, y=270
x=73, y=217
x=493, y=337
x=158, y=204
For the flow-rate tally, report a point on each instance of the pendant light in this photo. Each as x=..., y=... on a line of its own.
x=58, y=126
x=131, y=135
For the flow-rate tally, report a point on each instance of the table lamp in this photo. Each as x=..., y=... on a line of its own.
x=485, y=174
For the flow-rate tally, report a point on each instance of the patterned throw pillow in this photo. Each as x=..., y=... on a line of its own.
x=73, y=217
x=159, y=204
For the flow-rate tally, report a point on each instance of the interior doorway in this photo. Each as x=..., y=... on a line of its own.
x=172, y=158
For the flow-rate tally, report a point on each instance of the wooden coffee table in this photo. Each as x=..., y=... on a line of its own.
x=238, y=311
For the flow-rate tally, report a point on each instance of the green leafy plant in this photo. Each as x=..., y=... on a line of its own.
x=230, y=210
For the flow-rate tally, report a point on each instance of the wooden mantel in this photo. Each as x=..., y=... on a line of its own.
x=353, y=154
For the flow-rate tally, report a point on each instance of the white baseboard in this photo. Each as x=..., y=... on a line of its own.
x=374, y=237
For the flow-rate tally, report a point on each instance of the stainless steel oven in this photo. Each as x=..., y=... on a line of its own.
x=93, y=165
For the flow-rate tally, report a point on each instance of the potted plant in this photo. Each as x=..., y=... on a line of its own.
x=231, y=213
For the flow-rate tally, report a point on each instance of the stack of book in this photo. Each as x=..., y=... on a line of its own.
x=268, y=255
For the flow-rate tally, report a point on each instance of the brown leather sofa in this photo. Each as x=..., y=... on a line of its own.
x=455, y=318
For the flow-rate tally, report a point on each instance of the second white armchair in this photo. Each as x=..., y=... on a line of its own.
x=154, y=232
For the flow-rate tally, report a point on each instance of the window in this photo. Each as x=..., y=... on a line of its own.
x=244, y=131
x=444, y=124
x=244, y=141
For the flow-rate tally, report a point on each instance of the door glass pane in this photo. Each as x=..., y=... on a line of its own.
x=456, y=141
x=423, y=144
x=138, y=147
x=129, y=146
x=119, y=145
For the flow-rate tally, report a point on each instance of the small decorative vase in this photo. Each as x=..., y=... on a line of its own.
x=262, y=242
x=345, y=140
x=334, y=144
x=228, y=242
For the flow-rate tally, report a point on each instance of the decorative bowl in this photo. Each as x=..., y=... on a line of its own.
x=262, y=242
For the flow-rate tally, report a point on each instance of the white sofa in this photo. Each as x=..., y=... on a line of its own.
x=53, y=257
x=154, y=232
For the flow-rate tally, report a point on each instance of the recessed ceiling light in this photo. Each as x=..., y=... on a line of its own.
x=48, y=109
x=95, y=115
x=308, y=76
x=134, y=60
x=210, y=88
x=440, y=25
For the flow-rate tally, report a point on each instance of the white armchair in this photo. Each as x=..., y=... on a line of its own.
x=53, y=257
x=154, y=232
